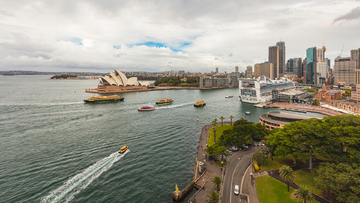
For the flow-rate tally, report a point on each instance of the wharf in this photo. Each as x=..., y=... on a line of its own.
x=298, y=107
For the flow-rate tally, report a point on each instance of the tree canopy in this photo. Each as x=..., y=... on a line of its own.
x=342, y=180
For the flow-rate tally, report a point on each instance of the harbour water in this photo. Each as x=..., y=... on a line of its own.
x=55, y=148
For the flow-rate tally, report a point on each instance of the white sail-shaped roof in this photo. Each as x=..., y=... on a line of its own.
x=115, y=78
x=108, y=80
x=132, y=81
x=144, y=83
x=122, y=77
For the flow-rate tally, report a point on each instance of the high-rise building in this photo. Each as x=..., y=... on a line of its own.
x=295, y=66
x=345, y=70
x=282, y=57
x=249, y=71
x=355, y=56
x=303, y=67
x=311, y=66
x=328, y=62
x=217, y=70
x=321, y=66
x=274, y=59
x=236, y=69
x=266, y=69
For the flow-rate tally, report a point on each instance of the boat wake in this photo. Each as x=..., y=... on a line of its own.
x=76, y=184
x=174, y=106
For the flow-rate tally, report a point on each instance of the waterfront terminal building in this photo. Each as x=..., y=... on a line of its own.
x=277, y=119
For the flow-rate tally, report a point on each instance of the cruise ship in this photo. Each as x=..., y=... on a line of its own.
x=262, y=89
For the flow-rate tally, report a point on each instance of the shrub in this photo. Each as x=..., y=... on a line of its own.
x=256, y=166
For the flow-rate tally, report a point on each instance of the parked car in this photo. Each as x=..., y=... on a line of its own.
x=234, y=148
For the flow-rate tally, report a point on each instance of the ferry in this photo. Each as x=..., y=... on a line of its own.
x=146, y=108
x=123, y=149
x=230, y=96
x=102, y=99
x=200, y=103
x=262, y=89
x=247, y=112
x=164, y=101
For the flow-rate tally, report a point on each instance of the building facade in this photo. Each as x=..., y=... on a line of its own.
x=274, y=59
x=249, y=72
x=266, y=69
x=326, y=95
x=345, y=70
x=311, y=65
x=296, y=66
x=282, y=57
x=355, y=95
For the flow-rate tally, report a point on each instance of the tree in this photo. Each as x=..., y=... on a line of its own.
x=286, y=173
x=341, y=180
x=214, y=129
x=222, y=120
x=214, y=122
x=231, y=117
x=216, y=180
x=213, y=197
x=302, y=194
x=260, y=157
x=242, y=121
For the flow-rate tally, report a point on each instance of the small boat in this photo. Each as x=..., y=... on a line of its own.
x=200, y=103
x=247, y=112
x=104, y=99
x=230, y=96
x=123, y=149
x=164, y=101
x=281, y=108
x=146, y=108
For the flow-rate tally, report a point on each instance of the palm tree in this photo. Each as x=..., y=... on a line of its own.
x=302, y=194
x=215, y=129
x=216, y=180
x=231, y=117
x=222, y=120
x=214, y=122
x=213, y=197
x=286, y=173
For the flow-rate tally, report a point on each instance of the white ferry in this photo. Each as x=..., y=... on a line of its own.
x=262, y=89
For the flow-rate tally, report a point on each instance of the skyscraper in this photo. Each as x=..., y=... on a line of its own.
x=282, y=57
x=295, y=66
x=355, y=56
x=249, y=71
x=274, y=59
x=345, y=70
x=217, y=70
x=236, y=69
x=265, y=69
x=311, y=66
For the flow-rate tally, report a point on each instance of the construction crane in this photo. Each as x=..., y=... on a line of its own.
x=342, y=51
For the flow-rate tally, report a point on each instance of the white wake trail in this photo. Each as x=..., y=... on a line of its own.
x=76, y=184
x=175, y=106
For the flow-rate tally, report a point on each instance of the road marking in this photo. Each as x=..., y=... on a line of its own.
x=243, y=179
x=232, y=177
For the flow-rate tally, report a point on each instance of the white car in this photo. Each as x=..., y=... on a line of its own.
x=236, y=190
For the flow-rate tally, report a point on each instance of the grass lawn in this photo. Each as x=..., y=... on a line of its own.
x=218, y=132
x=272, y=191
x=305, y=178
x=274, y=165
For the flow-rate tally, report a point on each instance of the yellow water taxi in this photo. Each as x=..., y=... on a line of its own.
x=200, y=103
x=123, y=149
x=164, y=101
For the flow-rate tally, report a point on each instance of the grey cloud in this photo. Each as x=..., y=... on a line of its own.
x=230, y=55
x=119, y=55
x=352, y=15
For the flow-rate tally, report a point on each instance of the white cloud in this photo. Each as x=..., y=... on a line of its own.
x=81, y=35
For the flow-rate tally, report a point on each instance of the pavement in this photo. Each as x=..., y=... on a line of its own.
x=311, y=108
x=237, y=171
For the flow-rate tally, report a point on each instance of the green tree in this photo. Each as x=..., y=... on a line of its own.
x=222, y=120
x=231, y=117
x=286, y=173
x=260, y=157
x=302, y=194
x=216, y=180
x=213, y=197
x=242, y=121
x=341, y=179
x=214, y=129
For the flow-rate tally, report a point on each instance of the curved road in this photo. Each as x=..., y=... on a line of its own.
x=236, y=167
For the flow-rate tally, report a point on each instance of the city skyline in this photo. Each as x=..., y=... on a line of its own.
x=162, y=36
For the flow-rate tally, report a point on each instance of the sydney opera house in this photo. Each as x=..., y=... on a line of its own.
x=118, y=82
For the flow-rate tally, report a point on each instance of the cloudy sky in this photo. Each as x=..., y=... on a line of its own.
x=195, y=36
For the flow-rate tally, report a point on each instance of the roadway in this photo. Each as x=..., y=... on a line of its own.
x=238, y=173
